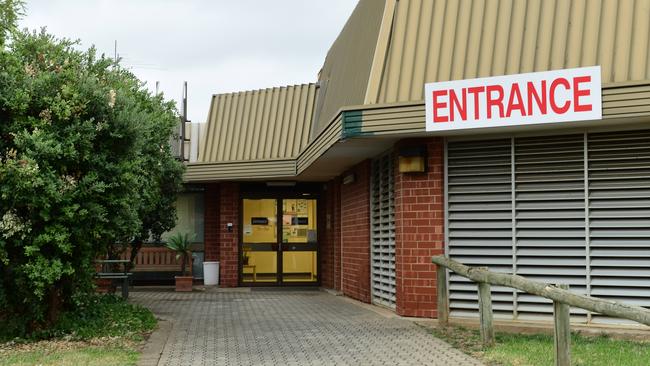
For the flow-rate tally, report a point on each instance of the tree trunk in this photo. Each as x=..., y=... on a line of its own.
x=136, y=245
x=183, y=264
x=54, y=304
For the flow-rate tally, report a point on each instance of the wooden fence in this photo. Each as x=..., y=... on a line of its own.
x=562, y=298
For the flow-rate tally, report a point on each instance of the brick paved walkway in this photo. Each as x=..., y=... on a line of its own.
x=289, y=328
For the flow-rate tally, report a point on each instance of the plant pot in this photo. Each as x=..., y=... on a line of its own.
x=184, y=283
x=104, y=286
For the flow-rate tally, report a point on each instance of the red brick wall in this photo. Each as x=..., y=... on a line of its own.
x=229, y=241
x=330, y=227
x=419, y=232
x=211, y=222
x=355, y=234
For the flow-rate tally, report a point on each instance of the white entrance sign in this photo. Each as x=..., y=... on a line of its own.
x=512, y=100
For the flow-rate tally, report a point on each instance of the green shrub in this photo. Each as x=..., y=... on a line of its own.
x=95, y=316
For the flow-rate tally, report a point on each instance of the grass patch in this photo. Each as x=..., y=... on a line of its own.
x=537, y=350
x=103, y=330
x=64, y=353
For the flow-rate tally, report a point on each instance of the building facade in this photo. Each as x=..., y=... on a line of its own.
x=338, y=183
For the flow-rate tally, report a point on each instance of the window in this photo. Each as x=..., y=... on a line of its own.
x=189, y=212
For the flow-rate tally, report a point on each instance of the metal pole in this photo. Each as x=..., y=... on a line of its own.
x=183, y=120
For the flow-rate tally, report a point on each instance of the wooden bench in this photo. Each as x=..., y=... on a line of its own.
x=106, y=272
x=155, y=259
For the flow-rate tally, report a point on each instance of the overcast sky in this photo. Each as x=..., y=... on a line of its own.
x=215, y=45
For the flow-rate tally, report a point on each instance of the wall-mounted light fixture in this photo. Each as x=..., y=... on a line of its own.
x=412, y=159
x=349, y=178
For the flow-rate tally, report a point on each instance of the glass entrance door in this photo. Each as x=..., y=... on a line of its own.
x=299, y=241
x=279, y=241
x=259, y=254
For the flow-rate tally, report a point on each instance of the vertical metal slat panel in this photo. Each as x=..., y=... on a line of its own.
x=383, y=231
x=479, y=220
x=619, y=207
x=581, y=216
x=550, y=219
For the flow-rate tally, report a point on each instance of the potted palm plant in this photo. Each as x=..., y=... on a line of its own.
x=181, y=244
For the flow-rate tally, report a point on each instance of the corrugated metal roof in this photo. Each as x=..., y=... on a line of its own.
x=272, y=123
x=344, y=76
x=440, y=40
x=389, y=49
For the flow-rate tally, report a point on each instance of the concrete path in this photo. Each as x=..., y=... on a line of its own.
x=282, y=327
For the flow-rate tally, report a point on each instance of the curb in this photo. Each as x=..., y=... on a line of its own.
x=153, y=349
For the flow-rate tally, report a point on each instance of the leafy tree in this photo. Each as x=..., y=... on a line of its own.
x=85, y=162
x=10, y=11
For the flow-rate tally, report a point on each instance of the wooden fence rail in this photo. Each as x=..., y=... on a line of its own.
x=560, y=294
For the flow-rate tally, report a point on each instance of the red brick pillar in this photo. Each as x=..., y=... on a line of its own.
x=419, y=232
x=211, y=222
x=229, y=240
x=330, y=227
x=336, y=239
x=355, y=234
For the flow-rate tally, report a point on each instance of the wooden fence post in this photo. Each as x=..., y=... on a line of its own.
x=485, y=313
x=562, y=332
x=443, y=302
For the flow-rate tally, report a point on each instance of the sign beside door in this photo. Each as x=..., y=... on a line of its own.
x=512, y=100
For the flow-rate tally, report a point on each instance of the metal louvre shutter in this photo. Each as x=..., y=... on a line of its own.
x=571, y=209
x=382, y=234
x=479, y=207
x=550, y=243
x=619, y=217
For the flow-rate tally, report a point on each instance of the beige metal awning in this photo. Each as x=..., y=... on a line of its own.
x=361, y=132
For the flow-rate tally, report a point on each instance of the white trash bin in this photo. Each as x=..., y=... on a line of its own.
x=210, y=273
